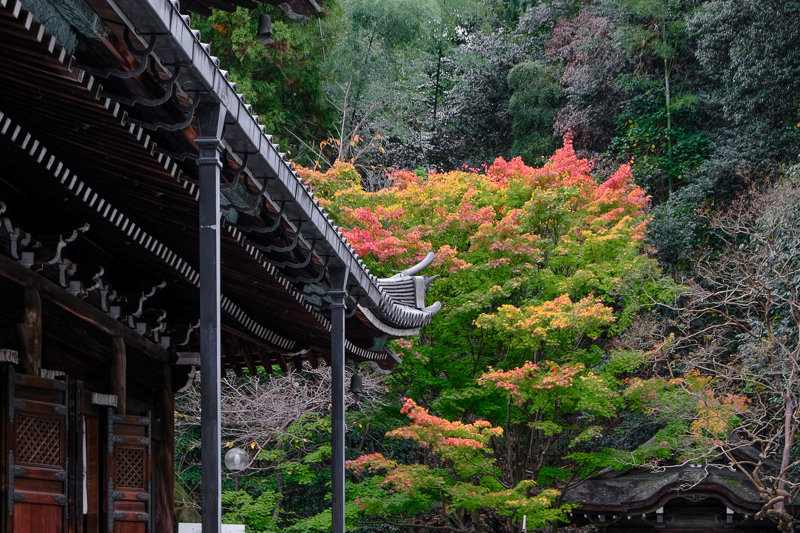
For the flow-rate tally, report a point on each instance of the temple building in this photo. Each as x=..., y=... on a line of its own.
x=148, y=225
x=676, y=499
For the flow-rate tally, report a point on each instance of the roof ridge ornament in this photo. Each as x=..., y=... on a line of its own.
x=419, y=267
x=408, y=289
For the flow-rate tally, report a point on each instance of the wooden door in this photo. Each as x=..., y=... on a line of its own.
x=129, y=487
x=37, y=447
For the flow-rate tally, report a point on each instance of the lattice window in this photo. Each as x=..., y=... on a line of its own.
x=38, y=440
x=130, y=468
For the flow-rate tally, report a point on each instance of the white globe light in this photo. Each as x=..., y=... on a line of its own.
x=236, y=459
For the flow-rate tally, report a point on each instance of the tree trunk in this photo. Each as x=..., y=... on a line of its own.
x=436, y=84
x=30, y=332
x=667, y=100
x=476, y=521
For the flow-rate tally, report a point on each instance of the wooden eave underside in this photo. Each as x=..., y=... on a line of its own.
x=170, y=40
x=58, y=110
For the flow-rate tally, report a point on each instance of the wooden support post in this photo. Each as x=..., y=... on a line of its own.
x=338, y=278
x=30, y=332
x=210, y=121
x=119, y=372
x=164, y=455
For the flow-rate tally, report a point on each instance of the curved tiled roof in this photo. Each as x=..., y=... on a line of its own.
x=265, y=164
x=640, y=492
x=118, y=100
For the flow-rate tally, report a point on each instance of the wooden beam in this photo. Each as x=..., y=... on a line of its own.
x=30, y=332
x=249, y=338
x=282, y=364
x=248, y=360
x=266, y=364
x=265, y=361
x=233, y=363
x=81, y=309
x=119, y=371
x=164, y=454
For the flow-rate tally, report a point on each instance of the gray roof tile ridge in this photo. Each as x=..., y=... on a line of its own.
x=161, y=17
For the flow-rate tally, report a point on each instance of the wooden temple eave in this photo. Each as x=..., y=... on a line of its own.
x=642, y=492
x=658, y=501
x=678, y=499
x=100, y=130
x=266, y=166
x=131, y=232
x=110, y=214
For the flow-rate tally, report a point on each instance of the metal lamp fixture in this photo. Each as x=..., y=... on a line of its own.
x=356, y=386
x=264, y=33
x=236, y=460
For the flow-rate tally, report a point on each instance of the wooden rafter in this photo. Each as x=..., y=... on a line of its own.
x=12, y=271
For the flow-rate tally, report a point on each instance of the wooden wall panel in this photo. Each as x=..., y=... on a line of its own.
x=128, y=471
x=38, y=451
x=30, y=517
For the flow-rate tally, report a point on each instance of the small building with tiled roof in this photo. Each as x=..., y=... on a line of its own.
x=676, y=499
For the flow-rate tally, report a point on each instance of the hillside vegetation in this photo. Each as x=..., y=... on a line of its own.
x=612, y=191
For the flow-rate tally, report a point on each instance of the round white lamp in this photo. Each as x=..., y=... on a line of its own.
x=236, y=460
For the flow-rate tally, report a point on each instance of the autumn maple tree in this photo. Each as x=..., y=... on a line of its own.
x=539, y=268
x=466, y=480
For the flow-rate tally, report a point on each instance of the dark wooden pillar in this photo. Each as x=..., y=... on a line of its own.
x=30, y=332
x=8, y=358
x=338, y=277
x=164, y=456
x=210, y=121
x=119, y=371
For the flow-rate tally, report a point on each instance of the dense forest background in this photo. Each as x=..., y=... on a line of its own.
x=611, y=187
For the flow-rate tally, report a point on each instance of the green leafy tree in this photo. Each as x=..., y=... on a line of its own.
x=664, y=147
x=538, y=266
x=534, y=103
x=368, y=66
x=663, y=140
x=747, y=49
x=748, y=107
x=283, y=81
x=389, y=69
x=257, y=514
x=467, y=482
